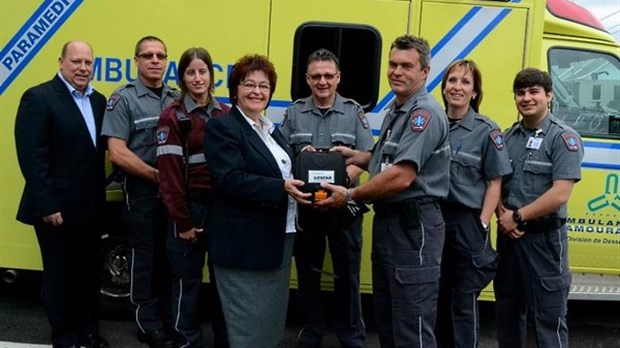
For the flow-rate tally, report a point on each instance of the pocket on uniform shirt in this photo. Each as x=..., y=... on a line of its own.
x=299, y=140
x=537, y=176
x=465, y=169
x=145, y=128
x=343, y=139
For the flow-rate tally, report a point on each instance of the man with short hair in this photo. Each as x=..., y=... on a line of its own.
x=130, y=123
x=533, y=279
x=61, y=156
x=409, y=169
x=322, y=121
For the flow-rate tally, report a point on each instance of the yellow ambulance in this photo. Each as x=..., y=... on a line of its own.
x=502, y=36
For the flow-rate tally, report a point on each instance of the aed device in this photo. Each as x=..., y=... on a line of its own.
x=320, y=166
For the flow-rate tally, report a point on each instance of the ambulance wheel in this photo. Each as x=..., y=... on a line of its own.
x=115, y=273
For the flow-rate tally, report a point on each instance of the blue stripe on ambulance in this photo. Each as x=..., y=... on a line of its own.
x=480, y=20
x=600, y=155
x=32, y=36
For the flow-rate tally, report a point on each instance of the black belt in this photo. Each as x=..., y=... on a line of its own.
x=403, y=206
x=542, y=225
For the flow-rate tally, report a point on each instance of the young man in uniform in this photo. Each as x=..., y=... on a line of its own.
x=130, y=123
x=409, y=169
x=62, y=158
x=322, y=121
x=533, y=278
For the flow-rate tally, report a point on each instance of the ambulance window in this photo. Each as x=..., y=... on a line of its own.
x=358, y=47
x=586, y=87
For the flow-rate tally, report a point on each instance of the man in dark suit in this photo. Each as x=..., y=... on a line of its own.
x=61, y=157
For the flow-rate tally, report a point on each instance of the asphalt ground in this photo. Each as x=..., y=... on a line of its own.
x=23, y=322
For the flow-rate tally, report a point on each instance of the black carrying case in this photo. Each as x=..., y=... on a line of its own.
x=321, y=166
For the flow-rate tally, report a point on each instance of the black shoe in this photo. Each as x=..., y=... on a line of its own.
x=94, y=341
x=157, y=339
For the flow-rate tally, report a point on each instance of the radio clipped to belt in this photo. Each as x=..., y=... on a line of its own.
x=320, y=166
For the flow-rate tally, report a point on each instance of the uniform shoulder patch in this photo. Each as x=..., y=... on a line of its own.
x=571, y=141
x=111, y=104
x=498, y=139
x=363, y=119
x=419, y=119
x=162, y=134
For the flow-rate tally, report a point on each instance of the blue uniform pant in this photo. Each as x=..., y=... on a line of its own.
x=345, y=246
x=532, y=281
x=468, y=265
x=187, y=259
x=146, y=221
x=406, y=254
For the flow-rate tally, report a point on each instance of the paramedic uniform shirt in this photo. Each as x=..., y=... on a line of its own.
x=132, y=114
x=539, y=156
x=420, y=135
x=477, y=154
x=343, y=124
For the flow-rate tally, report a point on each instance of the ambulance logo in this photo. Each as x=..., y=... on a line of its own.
x=364, y=120
x=419, y=119
x=611, y=196
x=571, y=141
x=112, y=101
x=498, y=139
x=162, y=134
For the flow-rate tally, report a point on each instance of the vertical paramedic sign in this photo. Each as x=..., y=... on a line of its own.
x=32, y=36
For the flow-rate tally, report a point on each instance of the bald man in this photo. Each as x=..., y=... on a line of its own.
x=61, y=157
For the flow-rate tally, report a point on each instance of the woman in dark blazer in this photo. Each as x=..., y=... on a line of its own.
x=252, y=226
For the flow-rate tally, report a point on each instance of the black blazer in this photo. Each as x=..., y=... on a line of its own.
x=63, y=170
x=248, y=221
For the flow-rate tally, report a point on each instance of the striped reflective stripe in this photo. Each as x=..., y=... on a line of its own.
x=197, y=158
x=297, y=135
x=443, y=149
x=541, y=163
x=146, y=119
x=469, y=155
x=178, y=151
x=170, y=150
x=344, y=135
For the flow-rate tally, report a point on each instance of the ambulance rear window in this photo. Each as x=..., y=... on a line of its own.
x=358, y=47
x=586, y=88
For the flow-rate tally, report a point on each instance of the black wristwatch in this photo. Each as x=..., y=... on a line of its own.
x=516, y=216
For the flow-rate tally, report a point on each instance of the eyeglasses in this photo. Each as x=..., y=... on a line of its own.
x=250, y=86
x=149, y=56
x=318, y=77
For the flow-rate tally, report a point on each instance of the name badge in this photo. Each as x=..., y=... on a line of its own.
x=534, y=143
x=317, y=176
x=385, y=166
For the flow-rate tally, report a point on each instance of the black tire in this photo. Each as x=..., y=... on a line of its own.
x=115, y=272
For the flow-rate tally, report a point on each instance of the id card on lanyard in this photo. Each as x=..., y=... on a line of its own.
x=534, y=142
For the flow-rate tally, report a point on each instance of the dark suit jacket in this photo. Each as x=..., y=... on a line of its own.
x=63, y=170
x=248, y=222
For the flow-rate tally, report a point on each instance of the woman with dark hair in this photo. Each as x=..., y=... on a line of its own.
x=185, y=187
x=251, y=231
x=477, y=163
